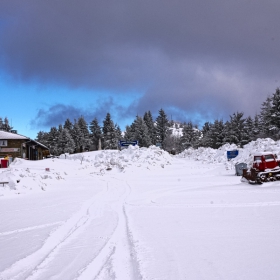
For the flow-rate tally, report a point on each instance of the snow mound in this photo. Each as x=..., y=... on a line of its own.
x=23, y=175
x=130, y=157
x=8, y=177
x=260, y=145
x=245, y=154
x=208, y=155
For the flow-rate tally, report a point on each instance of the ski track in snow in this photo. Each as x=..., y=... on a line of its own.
x=116, y=254
x=29, y=228
x=210, y=205
x=31, y=265
x=117, y=258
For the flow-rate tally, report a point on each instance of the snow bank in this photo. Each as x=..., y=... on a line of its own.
x=132, y=156
x=209, y=155
x=23, y=175
x=260, y=145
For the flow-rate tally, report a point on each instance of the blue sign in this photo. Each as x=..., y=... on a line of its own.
x=232, y=154
x=127, y=143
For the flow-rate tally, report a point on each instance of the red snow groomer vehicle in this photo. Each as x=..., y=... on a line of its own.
x=266, y=168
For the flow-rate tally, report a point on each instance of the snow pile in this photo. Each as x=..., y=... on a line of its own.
x=260, y=145
x=245, y=154
x=23, y=175
x=9, y=177
x=130, y=157
x=208, y=155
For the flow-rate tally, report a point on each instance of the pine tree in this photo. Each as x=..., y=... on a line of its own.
x=65, y=142
x=256, y=131
x=85, y=139
x=68, y=125
x=109, y=133
x=142, y=133
x=205, y=140
x=42, y=137
x=266, y=128
x=96, y=133
x=129, y=134
x=118, y=133
x=53, y=140
x=190, y=136
x=6, y=125
x=60, y=128
x=216, y=134
x=77, y=137
x=196, y=136
x=148, y=119
x=249, y=130
x=275, y=112
x=206, y=128
x=161, y=128
x=235, y=130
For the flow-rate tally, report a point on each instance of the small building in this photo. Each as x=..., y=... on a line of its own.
x=16, y=145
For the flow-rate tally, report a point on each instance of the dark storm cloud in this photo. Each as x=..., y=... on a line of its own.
x=211, y=57
x=55, y=115
x=58, y=113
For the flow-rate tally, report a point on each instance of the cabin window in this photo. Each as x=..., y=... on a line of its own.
x=3, y=143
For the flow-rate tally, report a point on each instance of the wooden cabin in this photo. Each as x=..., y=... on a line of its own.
x=16, y=145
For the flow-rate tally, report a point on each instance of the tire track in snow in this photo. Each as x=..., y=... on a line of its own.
x=117, y=257
x=135, y=265
x=210, y=204
x=26, y=267
x=30, y=228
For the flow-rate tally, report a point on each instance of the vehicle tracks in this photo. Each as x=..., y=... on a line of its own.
x=95, y=241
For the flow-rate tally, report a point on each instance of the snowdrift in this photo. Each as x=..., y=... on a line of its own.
x=23, y=175
x=132, y=156
x=209, y=155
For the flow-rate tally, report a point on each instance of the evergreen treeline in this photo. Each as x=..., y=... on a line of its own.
x=80, y=136
x=239, y=130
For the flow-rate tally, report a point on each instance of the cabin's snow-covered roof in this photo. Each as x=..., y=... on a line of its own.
x=4, y=135
x=40, y=144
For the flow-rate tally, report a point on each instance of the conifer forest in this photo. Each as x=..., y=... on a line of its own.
x=77, y=135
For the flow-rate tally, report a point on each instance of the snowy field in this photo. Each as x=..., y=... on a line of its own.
x=138, y=214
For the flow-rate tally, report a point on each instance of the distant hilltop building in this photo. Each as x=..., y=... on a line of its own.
x=176, y=128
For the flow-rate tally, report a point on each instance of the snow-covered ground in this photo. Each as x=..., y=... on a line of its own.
x=137, y=214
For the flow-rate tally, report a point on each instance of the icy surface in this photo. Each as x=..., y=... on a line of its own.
x=138, y=214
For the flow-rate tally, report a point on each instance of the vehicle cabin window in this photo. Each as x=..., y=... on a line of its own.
x=258, y=158
x=269, y=157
